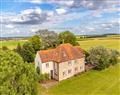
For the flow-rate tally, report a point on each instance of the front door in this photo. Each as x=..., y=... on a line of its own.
x=51, y=72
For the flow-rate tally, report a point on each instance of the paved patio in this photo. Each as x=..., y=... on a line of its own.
x=49, y=83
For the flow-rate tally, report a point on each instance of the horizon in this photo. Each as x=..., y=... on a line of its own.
x=85, y=17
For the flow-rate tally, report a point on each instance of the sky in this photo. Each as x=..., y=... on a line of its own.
x=82, y=17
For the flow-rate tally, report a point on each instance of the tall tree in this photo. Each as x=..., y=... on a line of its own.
x=36, y=42
x=67, y=37
x=16, y=77
x=49, y=38
x=28, y=52
x=19, y=49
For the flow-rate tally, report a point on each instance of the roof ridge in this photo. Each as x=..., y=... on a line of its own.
x=57, y=54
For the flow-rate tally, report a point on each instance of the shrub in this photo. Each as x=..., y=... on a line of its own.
x=102, y=57
x=44, y=77
x=4, y=48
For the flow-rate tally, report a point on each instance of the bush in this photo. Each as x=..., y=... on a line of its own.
x=47, y=76
x=44, y=77
x=114, y=56
x=4, y=48
x=102, y=57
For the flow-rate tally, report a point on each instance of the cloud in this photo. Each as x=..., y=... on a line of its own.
x=29, y=11
x=90, y=4
x=35, y=1
x=110, y=24
x=9, y=26
x=32, y=16
x=60, y=11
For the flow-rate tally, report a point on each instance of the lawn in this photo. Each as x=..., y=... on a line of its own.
x=106, y=82
x=11, y=44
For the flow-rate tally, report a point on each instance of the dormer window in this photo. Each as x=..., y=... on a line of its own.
x=69, y=63
x=64, y=54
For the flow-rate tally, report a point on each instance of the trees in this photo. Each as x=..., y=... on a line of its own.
x=19, y=49
x=16, y=77
x=67, y=37
x=49, y=38
x=113, y=56
x=36, y=42
x=102, y=57
x=28, y=52
x=29, y=49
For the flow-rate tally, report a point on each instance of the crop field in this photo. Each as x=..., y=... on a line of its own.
x=11, y=44
x=108, y=43
x=112, y=42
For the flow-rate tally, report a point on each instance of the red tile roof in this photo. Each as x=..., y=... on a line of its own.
x=62, y=53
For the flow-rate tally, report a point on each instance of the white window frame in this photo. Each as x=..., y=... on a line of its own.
x=47, y=65
x=69, y=63
x=69, y=71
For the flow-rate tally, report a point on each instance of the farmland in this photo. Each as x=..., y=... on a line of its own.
x=112, y=42
x=105, y=82
x=11, y=44
x=108, y=43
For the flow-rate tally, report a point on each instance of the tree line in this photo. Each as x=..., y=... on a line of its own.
x=44, y=39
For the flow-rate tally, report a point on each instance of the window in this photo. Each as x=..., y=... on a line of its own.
x=64, y=54
x=76, y=69
x=80, y=67
x=75, y=61
x=55, y=68
x=47, y=65
x=69, y=71
x=55, y=71
x=69, y=63
x=64, y=74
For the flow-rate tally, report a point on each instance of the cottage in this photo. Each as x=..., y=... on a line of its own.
x=62, y=62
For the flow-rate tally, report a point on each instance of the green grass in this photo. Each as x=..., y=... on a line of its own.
x=108, y=43
x=11, y=44
x=106, y=82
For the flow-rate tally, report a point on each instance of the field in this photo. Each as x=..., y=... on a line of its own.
x=106, y=82
x=109, y=43
x=11, y=44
